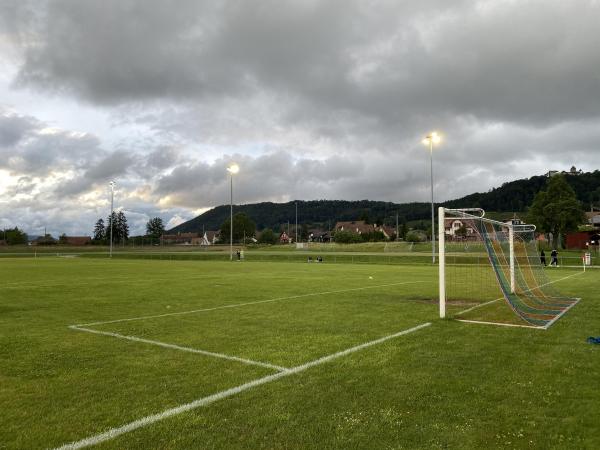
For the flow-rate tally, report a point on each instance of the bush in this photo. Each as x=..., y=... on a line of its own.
x=345, y=237
x=416, y=236
x=267, y=237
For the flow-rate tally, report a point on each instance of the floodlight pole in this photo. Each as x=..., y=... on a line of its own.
x=432, y=210
x=231, y=218
x=296, y=222
x=112, y=196
x=232, y=169
x=430, y=139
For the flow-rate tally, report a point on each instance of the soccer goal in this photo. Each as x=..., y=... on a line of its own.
x=491, y=272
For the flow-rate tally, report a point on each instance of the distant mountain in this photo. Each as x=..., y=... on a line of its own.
x=514, y=196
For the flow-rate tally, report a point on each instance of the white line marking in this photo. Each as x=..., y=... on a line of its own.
x=245, y=304
x=500, y=324
x=145, y=421
x=561, y=314
x=479, y=306
x=178, y=347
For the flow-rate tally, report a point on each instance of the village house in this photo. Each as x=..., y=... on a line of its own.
x=318, y=235
x=284, y=238
x=361, y=227
x=76, y=240
x=593, y=218
x=452, y=225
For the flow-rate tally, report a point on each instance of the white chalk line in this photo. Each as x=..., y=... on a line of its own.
x=561, y=314
x=181, y=348
x=148, y=420
x=479, y=306
x=238, y=305
x=501, y=324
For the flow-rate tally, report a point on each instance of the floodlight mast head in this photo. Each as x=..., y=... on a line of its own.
x=233, y=169
x=432, y=138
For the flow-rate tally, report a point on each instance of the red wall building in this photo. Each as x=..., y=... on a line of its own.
x=583, y=240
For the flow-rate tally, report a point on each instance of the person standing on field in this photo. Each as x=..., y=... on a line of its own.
x=554, y=255
x=543, y=258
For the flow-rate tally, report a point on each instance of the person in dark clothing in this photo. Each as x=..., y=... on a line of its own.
x=554, y=261
x=543, y=258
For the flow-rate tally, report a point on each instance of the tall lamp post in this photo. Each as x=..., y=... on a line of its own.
x=112, y=196
x=430, y=139
x=232, y=169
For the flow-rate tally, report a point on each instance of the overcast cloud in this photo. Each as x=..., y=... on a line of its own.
x=313, y=99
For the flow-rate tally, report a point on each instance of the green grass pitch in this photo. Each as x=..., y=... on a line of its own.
x=446, y=385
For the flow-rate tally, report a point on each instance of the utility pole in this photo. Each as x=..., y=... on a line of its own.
x=112, y=196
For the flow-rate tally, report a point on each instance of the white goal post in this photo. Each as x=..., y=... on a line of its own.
x=470, y=213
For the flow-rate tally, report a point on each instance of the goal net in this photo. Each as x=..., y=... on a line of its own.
x=491, y=272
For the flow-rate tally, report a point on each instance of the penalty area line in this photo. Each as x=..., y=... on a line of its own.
x=148, y=420
x=180, y=348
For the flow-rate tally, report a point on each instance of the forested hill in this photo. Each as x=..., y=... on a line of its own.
x=514, y=196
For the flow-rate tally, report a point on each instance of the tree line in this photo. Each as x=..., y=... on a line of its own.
x=120, y=229
x=14, y=236
x=515, y=196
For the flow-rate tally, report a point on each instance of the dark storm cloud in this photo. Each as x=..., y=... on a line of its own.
x=30, y=146
x=534, y=61
x=113, y=165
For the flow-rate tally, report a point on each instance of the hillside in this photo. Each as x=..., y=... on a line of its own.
x=514, y=196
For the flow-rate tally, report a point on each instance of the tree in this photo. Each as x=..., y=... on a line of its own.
x=121, y=223
x=402, y=231
x=155, y=227
x=267, y=237
x=346, y=237
x=120, y=229
x=364, y=216
x=112, y=231
x=99, y=231
x=556, y=210
x=461, y=231
x=14, y=236
x=373, y=236
x=416, y=236
x=62, y=239
x=243, y=226
x=304, y=232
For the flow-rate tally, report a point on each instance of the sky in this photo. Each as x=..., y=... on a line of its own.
x=312, y=99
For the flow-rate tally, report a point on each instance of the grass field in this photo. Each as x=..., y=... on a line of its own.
x=270, y=355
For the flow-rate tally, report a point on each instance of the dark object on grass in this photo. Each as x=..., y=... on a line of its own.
x=593, y=340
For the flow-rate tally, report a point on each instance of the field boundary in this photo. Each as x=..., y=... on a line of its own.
x=148, y=420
